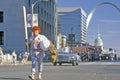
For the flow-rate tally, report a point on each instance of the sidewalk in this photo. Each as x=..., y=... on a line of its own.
x=17, y=63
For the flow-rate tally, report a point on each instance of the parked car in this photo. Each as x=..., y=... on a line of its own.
x=106, y=57
x=63, y=57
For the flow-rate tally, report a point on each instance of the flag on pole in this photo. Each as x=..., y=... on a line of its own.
x=29, y=20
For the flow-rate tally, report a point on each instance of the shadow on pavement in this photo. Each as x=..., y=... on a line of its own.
x=5, y=78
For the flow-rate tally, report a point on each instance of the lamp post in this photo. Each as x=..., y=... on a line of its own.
x=32, y=11
x=71, y=36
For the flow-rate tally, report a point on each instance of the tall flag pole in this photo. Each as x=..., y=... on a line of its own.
x=25, y=29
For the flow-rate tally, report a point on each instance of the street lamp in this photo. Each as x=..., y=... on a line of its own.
x=71, y=36
x=33, y=9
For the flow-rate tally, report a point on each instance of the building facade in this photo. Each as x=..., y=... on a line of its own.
x=72, y=22
x=12, y=33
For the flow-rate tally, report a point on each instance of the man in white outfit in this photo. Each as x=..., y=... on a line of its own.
x=14, y=57
x=36, y=52
x=1, y=56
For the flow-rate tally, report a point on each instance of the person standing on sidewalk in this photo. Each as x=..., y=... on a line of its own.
x=1, y=56
x=20, y=58
x=14, y=57
x=25, y=57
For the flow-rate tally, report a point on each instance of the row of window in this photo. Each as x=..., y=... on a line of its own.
x=1, y=17
x=1, y=32
x=1, y=38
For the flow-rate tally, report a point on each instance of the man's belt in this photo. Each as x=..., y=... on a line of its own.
x=37, y=50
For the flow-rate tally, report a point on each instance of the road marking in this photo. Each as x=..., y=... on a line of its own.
x=99, y=63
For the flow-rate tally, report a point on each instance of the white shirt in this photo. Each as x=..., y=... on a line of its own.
x=35, y=41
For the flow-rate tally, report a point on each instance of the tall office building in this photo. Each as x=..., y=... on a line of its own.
x=72, y=22
x=12, y=34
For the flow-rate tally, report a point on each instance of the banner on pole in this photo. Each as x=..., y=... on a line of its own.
x=29, y=20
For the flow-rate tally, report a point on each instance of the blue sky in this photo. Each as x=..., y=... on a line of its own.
x=106, y=18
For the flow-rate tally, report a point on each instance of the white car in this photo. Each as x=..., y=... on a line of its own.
x=71, y=58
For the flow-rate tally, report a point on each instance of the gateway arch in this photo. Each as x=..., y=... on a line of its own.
x=94, y=9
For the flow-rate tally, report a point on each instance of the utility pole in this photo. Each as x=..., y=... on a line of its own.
x=71, y=36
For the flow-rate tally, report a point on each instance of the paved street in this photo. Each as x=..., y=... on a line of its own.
x=85, y=71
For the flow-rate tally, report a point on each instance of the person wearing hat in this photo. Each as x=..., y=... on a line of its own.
x=36, y=52
x=38, y=44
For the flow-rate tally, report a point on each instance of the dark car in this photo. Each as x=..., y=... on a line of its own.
x=71, y=58
x=105, y=56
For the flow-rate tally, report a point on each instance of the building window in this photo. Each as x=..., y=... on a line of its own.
x=1, y=16
x=1, y=38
